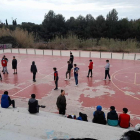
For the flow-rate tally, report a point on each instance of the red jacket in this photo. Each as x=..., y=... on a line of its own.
x=90, y=65
x=124, y=120
x=4, y=63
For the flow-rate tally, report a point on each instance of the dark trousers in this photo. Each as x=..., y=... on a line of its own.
x=71, y=63
x=68, y=72
x=56, y=84
x=90, y=71
x=107, y=74
x=12, y=102
x=62, y=111
x=34, y=76
x=0, y=76
x=76, y=79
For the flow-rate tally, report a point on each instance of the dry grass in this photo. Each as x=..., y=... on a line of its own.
x=26, y=40
x=22, y=37
x=73, y=43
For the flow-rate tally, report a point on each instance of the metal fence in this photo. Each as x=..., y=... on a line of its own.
x=90, y=54
x=5, y=46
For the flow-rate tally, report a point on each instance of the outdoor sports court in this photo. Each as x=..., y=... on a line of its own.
x=122, y=91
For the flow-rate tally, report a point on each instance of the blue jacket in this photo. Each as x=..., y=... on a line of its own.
x=4, y=101
x=76, y=69
x=99, y=108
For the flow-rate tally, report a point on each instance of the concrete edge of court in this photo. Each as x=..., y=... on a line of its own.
x=76, y=53
x=19, y=124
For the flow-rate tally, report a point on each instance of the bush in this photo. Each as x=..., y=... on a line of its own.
x=8, y=40
x=104, y=44
x=21, y=37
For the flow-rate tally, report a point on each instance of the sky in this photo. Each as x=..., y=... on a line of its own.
x=34, y=10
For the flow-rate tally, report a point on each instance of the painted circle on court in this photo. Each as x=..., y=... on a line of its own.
x=126, y=77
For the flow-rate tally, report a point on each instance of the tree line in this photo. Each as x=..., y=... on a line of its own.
x=88, y=27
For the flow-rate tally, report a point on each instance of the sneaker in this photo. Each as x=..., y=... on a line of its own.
x=14, y=73
x=66, y=79
x=87, y=76
x=55, y=88
x=76, y=85
x=104, y=79
x=7, y=73
x=4, y=73
x=90, y=76
x=1, y=79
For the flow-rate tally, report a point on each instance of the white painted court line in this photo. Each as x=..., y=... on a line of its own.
x=40, y=78
x=113, y=75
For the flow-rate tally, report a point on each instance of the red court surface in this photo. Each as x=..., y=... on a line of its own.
x=122, y=91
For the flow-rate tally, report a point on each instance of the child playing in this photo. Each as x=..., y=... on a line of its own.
x=4, y=62
x=90, y=68
x=0, y=74
x=33, y=70
x=107, y=68
x=71, y=59
x=55, y=78
x=76, y=69
x=68, y=70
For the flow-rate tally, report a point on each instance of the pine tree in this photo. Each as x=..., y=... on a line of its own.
x=6, y=22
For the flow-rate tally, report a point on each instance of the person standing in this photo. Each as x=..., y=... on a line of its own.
x=0, y=74
x=2, y=66
x=71, y=59
x=90, y=68
x=14, y=65
x=33, y=70
x=4, y=62
x=55, y=78
x=69, y=70
x=6, y=101
x=61, y=103
x=107, y=69
x=4, y=57
x=76, y=69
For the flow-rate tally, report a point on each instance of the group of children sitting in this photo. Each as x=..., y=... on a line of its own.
x=123, y=120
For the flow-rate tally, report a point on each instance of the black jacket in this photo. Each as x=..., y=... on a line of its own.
x=69, y=66
x=14, y=62
x=71, y=57
x=112, y=115
x=61, y=102
x=99, y=117
x=33, y=105
x=33, y=67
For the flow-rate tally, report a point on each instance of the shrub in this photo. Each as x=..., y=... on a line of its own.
x=22, y=38
x=9, y=40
